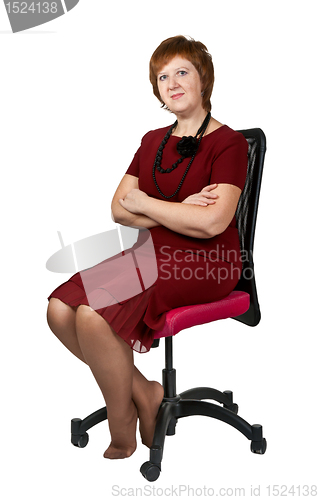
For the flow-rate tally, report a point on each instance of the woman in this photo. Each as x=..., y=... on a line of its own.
x=183, y=185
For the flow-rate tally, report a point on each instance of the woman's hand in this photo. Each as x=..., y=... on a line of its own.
x=134, y=201
x=204, y=198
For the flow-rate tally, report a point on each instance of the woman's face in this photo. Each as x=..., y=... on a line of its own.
x=179, y=86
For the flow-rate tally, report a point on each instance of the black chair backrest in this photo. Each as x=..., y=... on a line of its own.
x=246, y=215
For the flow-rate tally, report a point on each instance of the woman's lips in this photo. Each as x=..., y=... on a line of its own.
x=177, y=96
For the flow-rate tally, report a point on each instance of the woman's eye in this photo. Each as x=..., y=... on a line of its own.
x=162, y=78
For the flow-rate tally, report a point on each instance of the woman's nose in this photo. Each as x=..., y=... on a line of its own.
x=172, y=83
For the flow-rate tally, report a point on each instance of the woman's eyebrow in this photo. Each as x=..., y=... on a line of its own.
x=163, y=72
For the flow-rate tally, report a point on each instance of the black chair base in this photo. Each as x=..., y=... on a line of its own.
x=190, y=403
x=79, y=436
x=183, y=405
x=173, y=407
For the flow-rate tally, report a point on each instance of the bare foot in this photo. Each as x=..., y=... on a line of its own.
x=115, y=452
x=148, y=413
x=123, y=434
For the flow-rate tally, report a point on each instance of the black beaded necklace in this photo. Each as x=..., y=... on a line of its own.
x=186, y=147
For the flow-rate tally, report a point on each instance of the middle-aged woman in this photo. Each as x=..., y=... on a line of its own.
x=183, y=185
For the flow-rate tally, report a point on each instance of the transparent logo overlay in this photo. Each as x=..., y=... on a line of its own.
x=114, y=266
x=28, y=14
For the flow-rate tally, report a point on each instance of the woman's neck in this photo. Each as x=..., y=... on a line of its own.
x=188, y=125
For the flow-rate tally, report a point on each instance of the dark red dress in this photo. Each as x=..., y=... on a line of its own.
x=190, y=270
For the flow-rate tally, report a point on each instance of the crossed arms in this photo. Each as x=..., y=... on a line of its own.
x=201, y=215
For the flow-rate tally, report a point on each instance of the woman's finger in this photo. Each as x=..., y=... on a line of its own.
x=210, y=187
x=199, y=200
x=208, y=194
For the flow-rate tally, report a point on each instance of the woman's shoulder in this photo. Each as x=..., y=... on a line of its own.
x=156, y=133
x=227, y=133
x=225, y=137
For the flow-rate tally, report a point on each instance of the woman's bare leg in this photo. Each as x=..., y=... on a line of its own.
x=110, y=359
x=61, y=320
x=147, y=395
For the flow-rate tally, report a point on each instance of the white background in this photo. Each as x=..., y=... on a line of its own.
x=75, y=102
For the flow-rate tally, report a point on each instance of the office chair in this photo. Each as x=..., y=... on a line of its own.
x=241, y=304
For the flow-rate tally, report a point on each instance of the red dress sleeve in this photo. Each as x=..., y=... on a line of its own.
x=134, y=168
x=229, y=164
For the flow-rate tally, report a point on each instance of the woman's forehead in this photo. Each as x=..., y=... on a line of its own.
x=175, y=62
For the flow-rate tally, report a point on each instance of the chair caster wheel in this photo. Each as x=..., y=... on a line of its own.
x=232, y=407
x=80, y=440
x=258, y=447
x=150, y=471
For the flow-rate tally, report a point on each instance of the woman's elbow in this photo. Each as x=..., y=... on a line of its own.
x=214, y=229
x=117, y=212
x=114, y=217
x=114, y=214
x=119, y=220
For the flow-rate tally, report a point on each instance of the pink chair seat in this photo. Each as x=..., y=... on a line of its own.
x=178, y=319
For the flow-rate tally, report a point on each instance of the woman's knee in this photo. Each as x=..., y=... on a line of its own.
x=86, y=314
x=87, y=320
x=59, y=314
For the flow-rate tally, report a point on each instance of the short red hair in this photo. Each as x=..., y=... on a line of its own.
x=195, y=52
